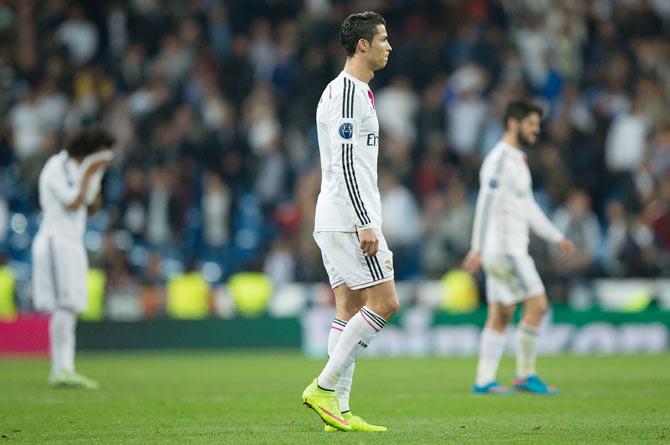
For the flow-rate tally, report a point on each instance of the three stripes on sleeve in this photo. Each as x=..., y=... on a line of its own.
x=348, y=156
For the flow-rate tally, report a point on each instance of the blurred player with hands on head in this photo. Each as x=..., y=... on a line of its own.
x=69, y=188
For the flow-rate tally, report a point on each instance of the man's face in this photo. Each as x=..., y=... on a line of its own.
x=528, y=129
x=380, y=48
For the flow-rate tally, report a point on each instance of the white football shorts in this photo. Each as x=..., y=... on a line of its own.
x=345, y=263
x=511, y=279
x=60, y=268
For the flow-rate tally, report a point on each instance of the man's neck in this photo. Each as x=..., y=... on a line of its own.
x=511, y=140
x=356, y=67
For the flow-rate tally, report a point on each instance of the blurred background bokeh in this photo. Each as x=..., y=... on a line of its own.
x=209, y=203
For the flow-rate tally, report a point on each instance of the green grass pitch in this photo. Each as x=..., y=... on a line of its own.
x=254, y=397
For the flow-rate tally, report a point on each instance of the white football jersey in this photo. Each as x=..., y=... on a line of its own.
x=348, y=132
x=59, y=185
x=506, y=209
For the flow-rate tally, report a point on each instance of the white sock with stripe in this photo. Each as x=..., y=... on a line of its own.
x=491, y=347
x=343, y=387
x=62, y=339
x=526, y=350
x=355, y=337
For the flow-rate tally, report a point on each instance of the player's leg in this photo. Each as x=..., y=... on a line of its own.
x=378, y=289
x=381, y=304
x=534, y=310
x=61, y=335
x=347, y=303
x=491, y=348
x=535, y=306
x=44, y=292
x=342, y=253
x=69, y=267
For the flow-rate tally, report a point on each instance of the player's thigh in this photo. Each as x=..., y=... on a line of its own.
x=511, y=279
x=526, y=273
x=336, y=280
x=534, y=309
x=345, y=262
x=500, y=292
x=70, y=271
x=43, y=285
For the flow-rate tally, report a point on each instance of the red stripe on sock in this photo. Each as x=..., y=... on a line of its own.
x=337, y=329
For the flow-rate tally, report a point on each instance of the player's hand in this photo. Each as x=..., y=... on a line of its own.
x=472, y=261
x=96, y=165
x=566, y=246
x=368, y=241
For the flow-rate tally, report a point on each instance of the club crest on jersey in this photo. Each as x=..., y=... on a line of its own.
x=493, y=184
x=346, y=130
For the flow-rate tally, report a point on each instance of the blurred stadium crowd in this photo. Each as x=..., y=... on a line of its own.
x=217, y=167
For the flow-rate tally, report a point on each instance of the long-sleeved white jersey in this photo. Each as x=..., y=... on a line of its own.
x=506, y=209
x=348, y=132
x=59, y=184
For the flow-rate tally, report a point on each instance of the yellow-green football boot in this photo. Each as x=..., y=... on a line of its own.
x=326, y=405
x=357, y=424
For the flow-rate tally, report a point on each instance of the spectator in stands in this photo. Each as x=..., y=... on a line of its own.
x=192, y=87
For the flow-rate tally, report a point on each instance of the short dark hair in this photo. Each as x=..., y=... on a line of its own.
x=362, y=25
x=89, y=140
x=520, y=109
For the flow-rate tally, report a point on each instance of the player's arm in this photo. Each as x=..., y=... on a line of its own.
x=544, y=228
x=345, y=123
x=72, y=196
x=96, y=205
x=93, y=196
x=489, y=188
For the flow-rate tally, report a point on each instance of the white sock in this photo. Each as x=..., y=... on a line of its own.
x=62, y=333
x=526, y=350
x=491, y=347
x=355, y=337
x=343, y=387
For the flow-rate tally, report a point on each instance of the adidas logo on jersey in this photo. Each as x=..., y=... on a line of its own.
x=362, y=343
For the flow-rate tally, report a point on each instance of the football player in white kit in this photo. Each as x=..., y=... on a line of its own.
x=505, y=212
x=69, y=186
x=348, y=219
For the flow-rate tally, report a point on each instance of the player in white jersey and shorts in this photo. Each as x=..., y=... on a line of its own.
x=506, y=211
x=348, y=219
x=69, y=187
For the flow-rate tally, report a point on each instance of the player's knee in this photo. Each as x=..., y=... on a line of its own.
x=389, y=307
x=351, y=307
x=535, y=310
x=497, y=322
x=499, y=319
x=540, y=306
x=394, y=305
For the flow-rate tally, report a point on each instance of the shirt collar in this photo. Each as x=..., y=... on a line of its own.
x=514, y=151
x=358, y=82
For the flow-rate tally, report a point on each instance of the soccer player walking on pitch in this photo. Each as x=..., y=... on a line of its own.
x=505, y=212
x=348, y=219
x=69, y=185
